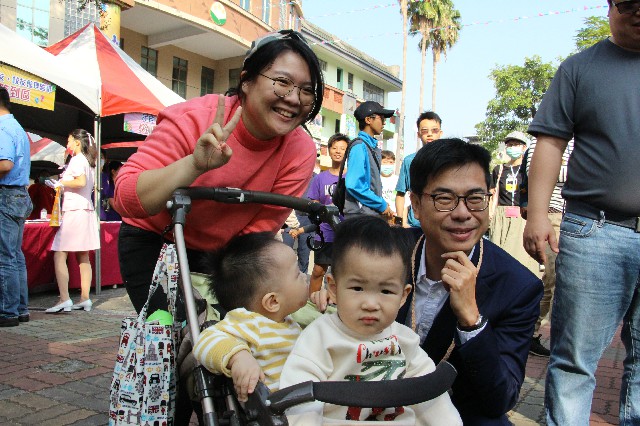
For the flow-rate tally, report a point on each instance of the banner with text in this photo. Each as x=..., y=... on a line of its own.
x=140, y=123
x=27, y=89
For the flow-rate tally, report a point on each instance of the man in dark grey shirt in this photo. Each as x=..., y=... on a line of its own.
x=594, y=98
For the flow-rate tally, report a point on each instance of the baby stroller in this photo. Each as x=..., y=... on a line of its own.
x=215, y=393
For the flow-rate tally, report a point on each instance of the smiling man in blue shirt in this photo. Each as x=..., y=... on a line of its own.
x=363, y=182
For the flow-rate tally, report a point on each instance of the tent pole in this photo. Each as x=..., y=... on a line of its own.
x=97, y=202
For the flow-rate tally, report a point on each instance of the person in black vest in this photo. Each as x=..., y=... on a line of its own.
x=363, y=182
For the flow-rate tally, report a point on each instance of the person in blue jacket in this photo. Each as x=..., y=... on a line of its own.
x=362, y=181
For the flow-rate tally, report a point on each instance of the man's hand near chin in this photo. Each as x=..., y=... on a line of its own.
x=459, y=278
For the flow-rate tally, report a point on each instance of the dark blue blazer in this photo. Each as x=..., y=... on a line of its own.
x=491, y=365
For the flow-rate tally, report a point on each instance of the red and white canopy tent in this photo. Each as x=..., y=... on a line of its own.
x=46, y=154
x=124, y=86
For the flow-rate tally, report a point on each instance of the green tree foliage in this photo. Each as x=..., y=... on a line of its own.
x=519, y=91
x=596, y=28
x=40, y=35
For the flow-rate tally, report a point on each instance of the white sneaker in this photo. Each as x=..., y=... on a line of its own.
x=62, y=306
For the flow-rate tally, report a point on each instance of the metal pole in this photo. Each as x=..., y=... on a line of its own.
x=208, y=410
x=97, y=186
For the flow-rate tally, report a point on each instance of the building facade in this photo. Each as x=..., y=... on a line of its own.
x=196, y=47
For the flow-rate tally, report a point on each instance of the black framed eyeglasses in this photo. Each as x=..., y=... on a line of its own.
x=282, y=87
x=628, y=7
x=447, y=202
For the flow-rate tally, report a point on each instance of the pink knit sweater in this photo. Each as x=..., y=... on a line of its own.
x=282, y=165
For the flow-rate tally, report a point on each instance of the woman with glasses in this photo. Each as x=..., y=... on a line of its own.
x=250, y=139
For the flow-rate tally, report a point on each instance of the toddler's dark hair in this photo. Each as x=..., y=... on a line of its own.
x=237, y=270
x=372, y=235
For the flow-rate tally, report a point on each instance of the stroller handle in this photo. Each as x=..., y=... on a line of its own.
x=328, y=214
x=385, y=393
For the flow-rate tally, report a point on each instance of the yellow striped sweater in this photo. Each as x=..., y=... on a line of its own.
x=268, y=341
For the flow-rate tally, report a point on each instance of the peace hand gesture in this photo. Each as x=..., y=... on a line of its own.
x=211, y=150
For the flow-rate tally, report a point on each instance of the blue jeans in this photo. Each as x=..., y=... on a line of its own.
x=596, y=288
x=15, y=207
x=303, y=251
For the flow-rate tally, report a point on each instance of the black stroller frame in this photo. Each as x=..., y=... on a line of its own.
x=264, y=408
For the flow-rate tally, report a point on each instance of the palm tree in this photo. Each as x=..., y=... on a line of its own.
x=438, y=23
x=400, y=138
x=442, y=40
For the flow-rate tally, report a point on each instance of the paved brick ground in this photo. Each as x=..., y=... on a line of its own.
x=56, y=369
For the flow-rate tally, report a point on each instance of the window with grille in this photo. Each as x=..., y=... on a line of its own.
x=234, y=78
x=246, y=5
x=350, y=82
x=266, y=11
x=179, y=76
x=75, y=19
x=371, y=92
x=149, y=60
x=323, y=65
x=32, y=20
x=206, y=81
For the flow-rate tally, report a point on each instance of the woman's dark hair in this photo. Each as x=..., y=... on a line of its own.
x=88, y=145
x=442, y=154
x=237, y=270
x=264, y=56
x=112, y=166
x=372, y=235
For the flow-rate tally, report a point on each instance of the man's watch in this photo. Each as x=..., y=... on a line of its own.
x=477, y=326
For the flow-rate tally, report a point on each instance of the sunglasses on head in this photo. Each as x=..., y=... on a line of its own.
x=268, y=38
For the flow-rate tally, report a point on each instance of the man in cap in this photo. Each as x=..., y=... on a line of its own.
x=363, y=181
x=507, y=225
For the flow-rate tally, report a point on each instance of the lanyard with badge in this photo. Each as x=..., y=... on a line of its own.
x=511, y=185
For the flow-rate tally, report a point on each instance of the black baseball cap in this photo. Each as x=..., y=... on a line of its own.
x=369, y=108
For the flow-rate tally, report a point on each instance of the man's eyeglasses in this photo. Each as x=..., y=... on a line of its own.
x=282, y=87
x=446, y=202
x=374, y=116
x=628, y=7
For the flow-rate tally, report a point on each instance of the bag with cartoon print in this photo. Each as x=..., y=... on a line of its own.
x=144, y=376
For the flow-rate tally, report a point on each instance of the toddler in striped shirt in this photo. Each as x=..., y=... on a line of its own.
x=257, y=280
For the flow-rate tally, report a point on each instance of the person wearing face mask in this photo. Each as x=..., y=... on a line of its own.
x=389, y=180
x=507, y=224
